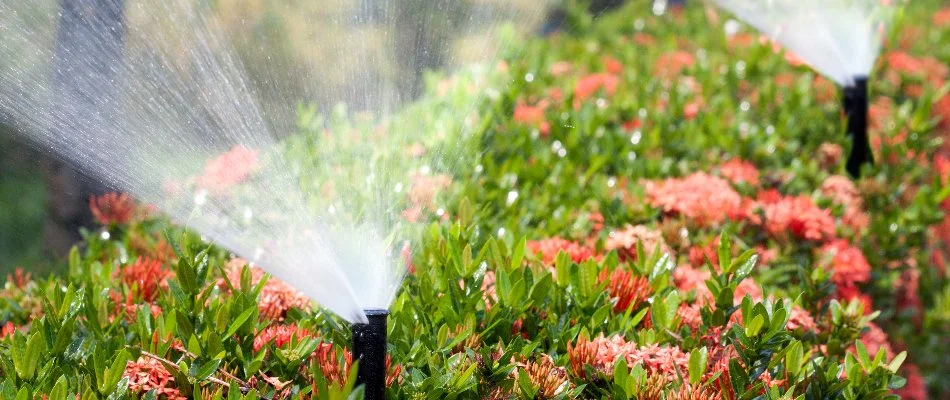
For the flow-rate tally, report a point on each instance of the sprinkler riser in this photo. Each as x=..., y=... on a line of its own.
x=855, y=102
x=369, y=348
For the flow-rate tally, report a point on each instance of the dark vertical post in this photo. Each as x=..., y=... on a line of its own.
x=369, y=347
x=856, y=109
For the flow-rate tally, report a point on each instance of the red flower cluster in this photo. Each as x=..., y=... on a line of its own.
x=672, y=64
x=848, y=265
x=627, y=289
x=601, y=354
x=548, y=249
x=738, y=171
x=533, y=116
x=228, y=169
x=112, y=208
x=704, y=199
x=590, y=84
x=147, y=374
x=276, y=297
x=625, y=242
x=842, y=191
x=796, y=214
x=146, y=277
x=280, y=335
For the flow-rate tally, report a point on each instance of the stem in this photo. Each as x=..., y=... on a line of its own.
x=856, y=109
x=369, y=348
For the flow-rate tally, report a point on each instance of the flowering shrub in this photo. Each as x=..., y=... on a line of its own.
x=653, y=215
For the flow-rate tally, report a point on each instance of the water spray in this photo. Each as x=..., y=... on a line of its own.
x=840, y=39
x=856, y=109
x=369, y=348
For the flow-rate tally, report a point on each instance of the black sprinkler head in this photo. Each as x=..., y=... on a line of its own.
x=856, y=109
x=369, y=348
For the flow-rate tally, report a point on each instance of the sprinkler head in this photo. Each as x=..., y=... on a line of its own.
x=369, y=347
x=855, y=101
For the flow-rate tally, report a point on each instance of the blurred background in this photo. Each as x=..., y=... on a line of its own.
x=44, y=202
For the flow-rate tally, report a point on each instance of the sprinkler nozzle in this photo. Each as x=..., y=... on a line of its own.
x=856, y=109
x=369, y=348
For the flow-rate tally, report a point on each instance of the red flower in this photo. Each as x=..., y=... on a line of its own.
x=843, y=192
x=146, y=276
x=551, y=380
x=801, y=320
x=627, y=290
x=277, y=297
x=916, y=387
x=738, y=171
x=797, y=215
x=612, y=65
x=672, y=64
x=19, y=279
x=228, y=169
x=829, y=155
x=625, y=242
x=548, y=249
x=590, y=84
x=704, y=199
x=560, y=68
x=280, y=335
x=875, y=339
x=112, y=208
x=532, y=116
x=147, y=374
x=8, y=329
x=942, y=17
x=847, y=263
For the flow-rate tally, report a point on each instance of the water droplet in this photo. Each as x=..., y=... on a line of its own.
x=105, y=235
x=635, y=137
x=529, y=77
x=732, y=27
x=512, y=197
x=201, y=197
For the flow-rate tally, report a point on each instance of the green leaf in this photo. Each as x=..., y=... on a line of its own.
x=240, y=320
x=725, y=253
x=697, y=364
x=207, y=369
x=793, y=358
x=754, y=327
x=896, y=363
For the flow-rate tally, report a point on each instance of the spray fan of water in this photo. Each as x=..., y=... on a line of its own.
x=840, y=39
x=184, y=103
